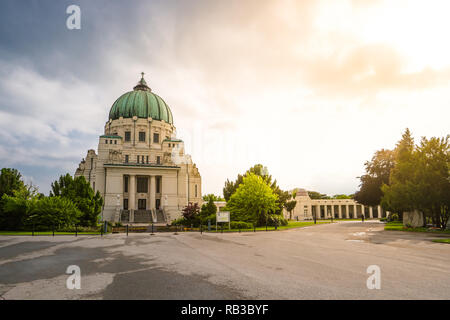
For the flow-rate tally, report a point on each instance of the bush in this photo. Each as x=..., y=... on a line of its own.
x=276, y=220
x=179, y=222
x=394, y=217
x=211, y=217
x=241, y=225
x=53, y=211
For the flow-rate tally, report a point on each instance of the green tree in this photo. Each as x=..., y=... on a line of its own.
x=79, y=191
x=261, y=171
x=53, y=211
x=431, y=180
x=213, y=197
x=398, y=195
x=208, y=209
x=343, y=196
x=16, y=207
x=317, y=195
x=253, y=200
x=10, y=180
x=290, y=206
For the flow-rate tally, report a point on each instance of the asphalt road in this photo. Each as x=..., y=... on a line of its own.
x=317, y=262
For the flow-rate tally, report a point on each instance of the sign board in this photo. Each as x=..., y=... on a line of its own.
x=223, y=216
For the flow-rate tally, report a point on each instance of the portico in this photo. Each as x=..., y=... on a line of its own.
x=307, y=208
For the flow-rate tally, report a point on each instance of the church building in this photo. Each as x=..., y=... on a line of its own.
x=141, y=168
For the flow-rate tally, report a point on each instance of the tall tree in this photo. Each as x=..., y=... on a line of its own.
x=208, y=209
x=398, y=196
x=431, y=180
x=10, y=180
x=290, y=206
x=261, y=171
x=377, y=173
x=253, y=200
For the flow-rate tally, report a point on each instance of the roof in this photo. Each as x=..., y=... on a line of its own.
x=142, y=103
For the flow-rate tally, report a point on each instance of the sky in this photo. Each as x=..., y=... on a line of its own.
x=310, y=89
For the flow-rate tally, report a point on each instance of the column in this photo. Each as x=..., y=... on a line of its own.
x=380, y=213
x=152, y=192
x=347, y=213
x=318, y=211
x=355, y=215
x=132, y=192
x=310, y=211
x=340, y=211
x=371, y=212
x=332, y=210
x=132, y=196
x=363, y=212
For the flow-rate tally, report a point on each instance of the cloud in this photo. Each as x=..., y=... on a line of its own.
x=308, y=88
x=367, y=70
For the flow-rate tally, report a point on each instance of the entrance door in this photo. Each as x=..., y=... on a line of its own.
x=158, y=203
x=142, y=204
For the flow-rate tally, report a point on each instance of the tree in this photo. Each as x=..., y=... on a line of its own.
x=343, y=196
x=208, y=209
x=431, y=180
x=253, y=200
x=54, y=211
x=191, y=213
x=290, y=206
x=16, y=207
x=378, y=171
x=261, y=171
x=420, y=179
x=10, y=180
x=79, y=191
x=317, y=195
x=398, y=195
x=213, y=197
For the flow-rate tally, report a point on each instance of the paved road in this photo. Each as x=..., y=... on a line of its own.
x=318, y=262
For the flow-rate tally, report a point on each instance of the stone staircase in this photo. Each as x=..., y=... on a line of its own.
x=160, y=216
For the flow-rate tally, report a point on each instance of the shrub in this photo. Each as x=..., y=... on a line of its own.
x=241, y=225
x=179, y=222
x=53, y=211
x=276, y=220
x=394, y=217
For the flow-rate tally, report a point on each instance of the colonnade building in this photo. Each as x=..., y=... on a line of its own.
x=141, y=168
x=308, y=209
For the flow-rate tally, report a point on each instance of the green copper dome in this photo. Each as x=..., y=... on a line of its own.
x=142, y=103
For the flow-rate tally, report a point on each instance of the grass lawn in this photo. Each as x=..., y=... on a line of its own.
x=43, y=233
x=291, y=225
x=442, y=240
x=398, y=226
